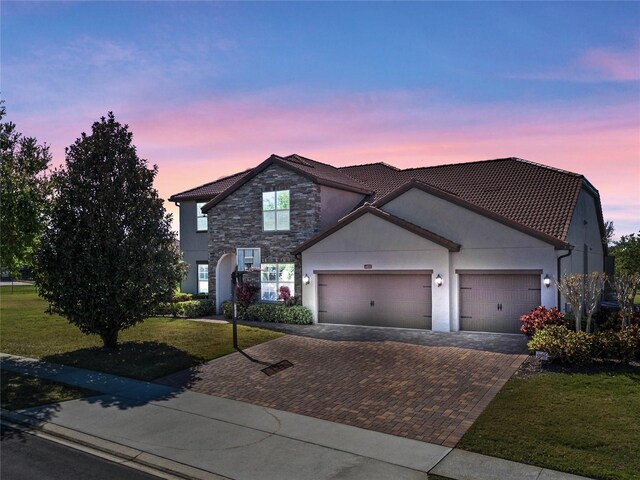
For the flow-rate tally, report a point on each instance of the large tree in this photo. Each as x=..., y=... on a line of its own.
x=23, y=195
x=627, y=254
x=108, y=254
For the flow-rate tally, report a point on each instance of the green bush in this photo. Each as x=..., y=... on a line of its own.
x=269, y=312
x=612, y=345
x=564, y=345
x=227, y=310
x=188, y=309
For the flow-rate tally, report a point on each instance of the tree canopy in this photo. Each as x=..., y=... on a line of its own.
x=23, y=195
x=108, y=255
x=627, y=254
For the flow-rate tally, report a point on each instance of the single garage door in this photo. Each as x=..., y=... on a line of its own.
x=381, y=300
x=495, y=302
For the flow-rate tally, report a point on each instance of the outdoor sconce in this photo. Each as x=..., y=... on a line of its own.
x=306, y=279
x=547, y=281
x=439, y=280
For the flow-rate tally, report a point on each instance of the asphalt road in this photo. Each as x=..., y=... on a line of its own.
x=23, y=456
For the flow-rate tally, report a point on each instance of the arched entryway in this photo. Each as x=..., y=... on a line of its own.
x=224, y=269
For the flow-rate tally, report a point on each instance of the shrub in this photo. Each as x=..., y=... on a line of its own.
x=621, y=345
x=181, y=297
x=563, y=345
x=540, y=318
x=269, y=312
x=245, y=294
x=634, y=331
x=227, y=310
x=188, y=309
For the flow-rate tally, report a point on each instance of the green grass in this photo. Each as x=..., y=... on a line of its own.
x=152, y=349
x=23, y=391
x=583, y=423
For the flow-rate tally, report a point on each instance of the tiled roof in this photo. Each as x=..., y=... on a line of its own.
x=325, y=172
x=208, y=190
x=379, y=177
x=534, y=195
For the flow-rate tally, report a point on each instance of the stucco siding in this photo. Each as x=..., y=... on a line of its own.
x=584, y=230
x=370, y=240
x=335, y=204
x=193, y=244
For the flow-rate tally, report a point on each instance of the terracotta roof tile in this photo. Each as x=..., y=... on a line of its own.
x=208, y=190
x=537, y=196
x=534, y=195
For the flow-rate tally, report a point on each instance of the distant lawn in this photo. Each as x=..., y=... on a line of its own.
x=23, y=391
x=583, y=423
x=155, y=348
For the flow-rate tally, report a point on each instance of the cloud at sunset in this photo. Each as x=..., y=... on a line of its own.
x=210, y=89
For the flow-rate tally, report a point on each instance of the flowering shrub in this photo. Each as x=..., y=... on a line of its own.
x=563, y=345
x=540, y=318
x=245, y=294
x=284, y=294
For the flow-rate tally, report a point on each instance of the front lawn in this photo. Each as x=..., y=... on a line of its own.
x=585, y=423
x=24, y=391
x=157, y=347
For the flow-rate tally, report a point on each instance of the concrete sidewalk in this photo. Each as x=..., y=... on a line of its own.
x=238, y=440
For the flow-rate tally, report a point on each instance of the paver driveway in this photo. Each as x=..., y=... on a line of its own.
x=421, y=385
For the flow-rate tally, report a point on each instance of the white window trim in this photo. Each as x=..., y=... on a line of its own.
x=200, y=215
x=198, y=277
x=278, y=282
x=276, y=210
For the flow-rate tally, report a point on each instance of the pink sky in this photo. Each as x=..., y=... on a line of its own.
x=201, y=142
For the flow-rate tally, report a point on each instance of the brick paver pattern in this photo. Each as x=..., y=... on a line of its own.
x=429, y=393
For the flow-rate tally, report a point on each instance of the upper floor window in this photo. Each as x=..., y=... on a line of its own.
x=201, y=218
x=275, y=210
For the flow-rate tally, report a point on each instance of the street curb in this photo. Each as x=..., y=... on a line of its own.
x=129, y=456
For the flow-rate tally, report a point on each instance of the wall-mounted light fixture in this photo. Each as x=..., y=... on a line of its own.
x=306, y=279
x=547, y=281
x=439, y=280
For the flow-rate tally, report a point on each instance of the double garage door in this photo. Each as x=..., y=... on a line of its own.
x=489, y=302
x=495, y=302
x=379, y=300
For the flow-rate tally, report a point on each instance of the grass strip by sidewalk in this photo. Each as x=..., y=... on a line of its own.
x=24, y=391
x=584, y=423
x=152, y=349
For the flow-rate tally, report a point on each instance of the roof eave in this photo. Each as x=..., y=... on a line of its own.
x=367, y=208
x=413, y=183
x=276, y=160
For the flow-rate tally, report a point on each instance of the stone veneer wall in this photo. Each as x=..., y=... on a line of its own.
x=236, y=222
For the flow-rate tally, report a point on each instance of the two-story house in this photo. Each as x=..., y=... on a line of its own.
x=467, y=246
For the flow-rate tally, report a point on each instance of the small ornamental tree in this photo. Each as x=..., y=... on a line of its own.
x=23, y=195
x=572, y=289
x=107, y=257
x=593, y=286
x=626, y=287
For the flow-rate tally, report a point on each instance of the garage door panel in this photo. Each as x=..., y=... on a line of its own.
x=495, y=302
x=402, y=300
